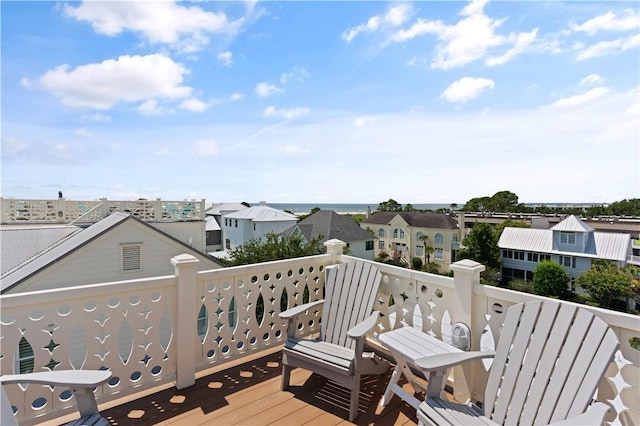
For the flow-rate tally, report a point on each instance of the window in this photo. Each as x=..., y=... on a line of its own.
x=368, y=245
x=395, y=233
x=419, y=236
x=25, y=358
x=254, y=226
x=236, y=225
x=568, y=261
x=131, y=257
x=532, y=257
x=381, y=233
x=567, y=237
x=419, y=251
x=439, y=238
x=380, y=245
x=227, y=244
x=439, y=254
x=454, y=239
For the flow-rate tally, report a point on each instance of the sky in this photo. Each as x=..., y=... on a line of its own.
x=327, y=101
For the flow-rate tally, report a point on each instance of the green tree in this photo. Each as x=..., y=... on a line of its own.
x=481, y=245
x=273, y=247
x=478, y=204
x=607, y=283
x=409, y=208
x=550, y=279
x=416, y=263
x=504, y=201
x=510, y=224
x=390, y=206
x=428, y=250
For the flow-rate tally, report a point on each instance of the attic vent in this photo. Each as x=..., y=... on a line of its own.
x=131, y=257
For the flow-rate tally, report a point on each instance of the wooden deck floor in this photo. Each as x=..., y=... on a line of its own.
x=248, y=393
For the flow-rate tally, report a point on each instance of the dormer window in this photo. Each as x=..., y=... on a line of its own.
x=567, y=237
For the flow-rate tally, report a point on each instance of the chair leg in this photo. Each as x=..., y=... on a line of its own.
x=286, y=375
x=355, y=398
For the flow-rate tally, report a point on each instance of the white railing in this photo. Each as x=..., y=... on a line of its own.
x=134, y=328
x=61, y=210
x=634, y=260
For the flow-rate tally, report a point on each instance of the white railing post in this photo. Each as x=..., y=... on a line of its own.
x=186, y=319
x=466, y=275
x=104, y=208
x=335, y=248
x=157, y=208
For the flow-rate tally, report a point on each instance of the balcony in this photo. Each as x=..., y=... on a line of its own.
x=193, y=348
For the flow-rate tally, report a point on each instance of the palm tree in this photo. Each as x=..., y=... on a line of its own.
x=428, y=250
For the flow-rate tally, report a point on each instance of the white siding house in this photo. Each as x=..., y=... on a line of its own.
x=118, y=247
x=255, y=222
x=571, y=242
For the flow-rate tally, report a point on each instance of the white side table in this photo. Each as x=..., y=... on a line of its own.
x=406, y=345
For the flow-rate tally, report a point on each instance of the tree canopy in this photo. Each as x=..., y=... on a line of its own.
x=550, y=279
x=390, y=206
x=273, y=247
x=510, y=224
x=502, y=201
x=606, y=283
x=481, y=245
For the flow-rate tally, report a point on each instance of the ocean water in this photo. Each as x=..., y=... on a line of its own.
x=303, y=208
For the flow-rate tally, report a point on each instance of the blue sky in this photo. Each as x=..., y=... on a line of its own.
x=423, y=102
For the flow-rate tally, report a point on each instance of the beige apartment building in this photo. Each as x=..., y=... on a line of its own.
x=402, y=234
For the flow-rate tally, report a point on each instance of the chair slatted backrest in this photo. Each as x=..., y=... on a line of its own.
x=549, y=360
x=350, y=292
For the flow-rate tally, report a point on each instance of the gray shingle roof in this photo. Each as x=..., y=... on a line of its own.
x=330, y=225
x=415, y=219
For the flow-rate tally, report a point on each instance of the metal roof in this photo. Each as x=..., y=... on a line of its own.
x=23, y=243
x=600, y=245
x=224, y=208
x=211, y=224
x=572, y=224
x=262, y=213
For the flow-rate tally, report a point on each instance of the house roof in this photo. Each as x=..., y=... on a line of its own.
x=262, y=213
x=600, y=245
x=211, y=224
x=23, y=243
x=572, y=224
x=415, y=219
x=224, y=208
x=74, y=242
x=330, y=225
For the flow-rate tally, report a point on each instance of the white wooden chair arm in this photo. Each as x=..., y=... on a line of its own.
x=361, y=329
x=294, y=312
x=69, y=378
x=593, y=416
x=445, y=361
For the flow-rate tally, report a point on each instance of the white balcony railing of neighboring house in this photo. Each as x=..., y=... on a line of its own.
x=634, y=260
x=134, y=328
x=63, y=211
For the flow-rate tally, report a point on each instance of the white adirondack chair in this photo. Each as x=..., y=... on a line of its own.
x=546, y=368
x=81, y=383
x=347, y=317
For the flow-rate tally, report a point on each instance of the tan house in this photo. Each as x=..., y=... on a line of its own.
x=401, y=234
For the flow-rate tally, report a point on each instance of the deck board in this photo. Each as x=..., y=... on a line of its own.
x=248, y=394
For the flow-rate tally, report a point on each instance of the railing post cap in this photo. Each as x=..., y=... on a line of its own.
x=183, y=259
x=467, y=265
x=334, y=242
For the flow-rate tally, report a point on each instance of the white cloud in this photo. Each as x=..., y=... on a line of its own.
x=163, y=152
x=98, y=117
x=226, y=58
x=468, y=40
x=266, y=89
x=181, y=27
x=194, y=105
x=591, y=80
x=286, y=113
x=83, y=132
x=292, y=149
x=466, y=89
x=151, y=107
x=603, y=48
x=362, y=121
x=206, y=148
x=395, y=16
x=298, y=73
x=610, y=21
x=126, y=79
x=578, y=100
x=236, y=96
